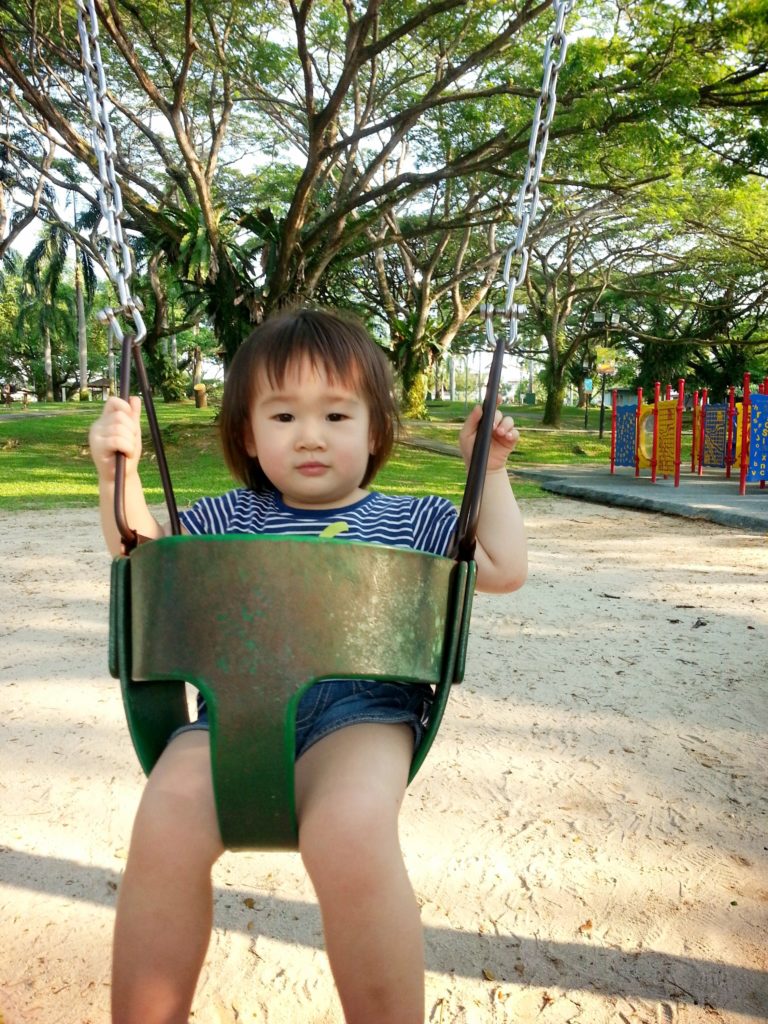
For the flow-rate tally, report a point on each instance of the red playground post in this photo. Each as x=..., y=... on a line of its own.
x=744, y=437
x=679, y=427
x=729, y=439
x=702, y=431
x=614, y=396
x=655, y=450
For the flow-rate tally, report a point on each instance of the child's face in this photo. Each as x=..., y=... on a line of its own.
x=312, y=438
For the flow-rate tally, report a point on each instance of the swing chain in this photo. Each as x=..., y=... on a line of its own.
x=119, y=259
x=528, y=196
x=527, y=204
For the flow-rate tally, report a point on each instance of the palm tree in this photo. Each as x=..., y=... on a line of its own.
x=10, y=286
x=42, y=274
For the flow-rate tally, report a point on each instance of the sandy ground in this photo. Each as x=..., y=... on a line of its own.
x=588, y=838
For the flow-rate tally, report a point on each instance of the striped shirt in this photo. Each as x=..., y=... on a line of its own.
x=424, y=524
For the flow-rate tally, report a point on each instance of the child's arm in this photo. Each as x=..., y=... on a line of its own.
x=502, y=551
x=118, y=430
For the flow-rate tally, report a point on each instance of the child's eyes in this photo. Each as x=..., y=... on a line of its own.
x=288, y=417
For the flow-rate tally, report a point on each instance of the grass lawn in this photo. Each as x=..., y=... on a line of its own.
x=44, y=459
x=536, y=446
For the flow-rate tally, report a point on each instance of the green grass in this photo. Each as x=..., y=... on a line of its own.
x=570, y=444
x=45, y=463
x=535, y=447
x=44, y=459
x=525, y=415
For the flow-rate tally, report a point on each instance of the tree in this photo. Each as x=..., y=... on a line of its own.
x=23, y=177
x=423, y=280
x=42, y=275
x=28, y=319
x=363, y=112
x=10, y=289
x=346, y=88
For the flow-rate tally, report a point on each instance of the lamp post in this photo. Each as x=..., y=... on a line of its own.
x=587, y=394
x=607, y=366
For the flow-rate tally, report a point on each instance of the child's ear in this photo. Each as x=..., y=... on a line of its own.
x=249, y=442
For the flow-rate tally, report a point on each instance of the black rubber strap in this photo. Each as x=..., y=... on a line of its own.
x=466, y=531
x=128, y=535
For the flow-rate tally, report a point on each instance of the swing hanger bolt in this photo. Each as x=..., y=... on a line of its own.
x=515, y=310
x=486, y=310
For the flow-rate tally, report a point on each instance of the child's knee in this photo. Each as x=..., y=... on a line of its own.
x=350, y=841
x=178, y=808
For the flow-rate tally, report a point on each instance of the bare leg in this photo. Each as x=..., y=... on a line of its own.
x=349, y=789
x=165, y=905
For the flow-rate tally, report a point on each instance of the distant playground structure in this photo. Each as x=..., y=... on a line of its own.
x=724, y=435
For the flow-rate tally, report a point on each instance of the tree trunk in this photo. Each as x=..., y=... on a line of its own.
x=232, y=317
x=415, y=387
x=201, y=399
x=556, y=388
x=111, y=363
x=48, y=364
x=82, y=337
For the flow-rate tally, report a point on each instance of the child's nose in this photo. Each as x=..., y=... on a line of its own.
x=311, y=436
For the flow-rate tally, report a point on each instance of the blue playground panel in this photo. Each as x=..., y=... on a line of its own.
x=626, y=422
x=758, y=439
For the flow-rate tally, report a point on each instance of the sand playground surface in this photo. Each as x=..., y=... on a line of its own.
x=587, y=838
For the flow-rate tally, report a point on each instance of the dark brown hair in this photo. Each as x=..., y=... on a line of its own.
x=337, y=343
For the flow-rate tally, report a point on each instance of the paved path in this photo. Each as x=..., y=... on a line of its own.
x=709, y=497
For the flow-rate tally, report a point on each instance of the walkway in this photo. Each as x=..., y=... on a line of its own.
x=709, y=497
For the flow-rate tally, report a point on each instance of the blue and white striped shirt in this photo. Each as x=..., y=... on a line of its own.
x=424, y=524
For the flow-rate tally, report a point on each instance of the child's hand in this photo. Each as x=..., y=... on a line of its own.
x=504, y=440
x=116, y=430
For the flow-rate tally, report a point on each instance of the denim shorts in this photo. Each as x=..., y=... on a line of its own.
x=333, y=704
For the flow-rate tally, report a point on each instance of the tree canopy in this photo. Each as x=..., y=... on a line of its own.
x=369, y=154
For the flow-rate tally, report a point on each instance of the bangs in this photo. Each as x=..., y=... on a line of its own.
x=300, y=340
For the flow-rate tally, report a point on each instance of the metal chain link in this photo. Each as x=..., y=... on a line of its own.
x=119, y=258
x=528, y=196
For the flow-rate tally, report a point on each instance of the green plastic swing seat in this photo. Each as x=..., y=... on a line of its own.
x=252, y=622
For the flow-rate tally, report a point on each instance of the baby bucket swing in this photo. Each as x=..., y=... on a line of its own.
x=252, y=621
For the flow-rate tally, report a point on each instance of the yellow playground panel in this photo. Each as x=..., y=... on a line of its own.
x=666, y=437
x=737, y=428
